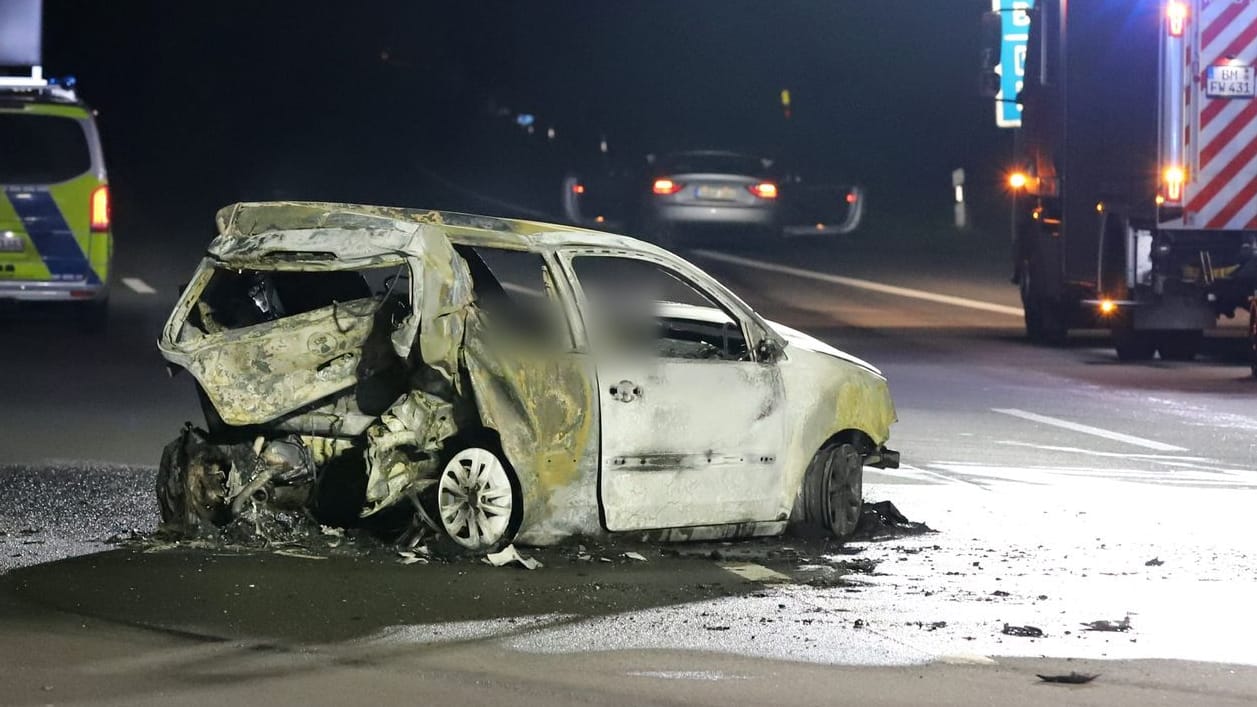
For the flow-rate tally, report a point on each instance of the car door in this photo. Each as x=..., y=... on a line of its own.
x=693, y=427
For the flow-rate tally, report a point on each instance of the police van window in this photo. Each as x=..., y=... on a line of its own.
x=40, y=149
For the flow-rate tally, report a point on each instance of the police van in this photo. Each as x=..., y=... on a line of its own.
x=56, y=242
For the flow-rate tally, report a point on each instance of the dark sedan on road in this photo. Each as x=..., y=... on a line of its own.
x=711, y=190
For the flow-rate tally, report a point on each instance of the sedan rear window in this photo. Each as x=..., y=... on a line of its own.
x=716, y=163
x=41, y=149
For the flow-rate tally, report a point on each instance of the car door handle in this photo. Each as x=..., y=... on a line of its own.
x=625, y=391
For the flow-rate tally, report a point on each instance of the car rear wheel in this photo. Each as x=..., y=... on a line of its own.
x=478, y=500
x=833, y=490
x=192, y=487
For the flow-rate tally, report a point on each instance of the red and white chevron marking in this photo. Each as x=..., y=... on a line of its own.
x=1223, y=194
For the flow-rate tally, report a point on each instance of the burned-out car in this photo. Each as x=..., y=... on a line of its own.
x=501, y=381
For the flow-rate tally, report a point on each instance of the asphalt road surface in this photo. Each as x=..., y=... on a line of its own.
x=1064, y=488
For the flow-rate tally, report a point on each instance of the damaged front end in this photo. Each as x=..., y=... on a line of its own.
x=325, y=343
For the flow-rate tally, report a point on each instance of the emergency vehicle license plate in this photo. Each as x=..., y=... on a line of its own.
x=1229, y=81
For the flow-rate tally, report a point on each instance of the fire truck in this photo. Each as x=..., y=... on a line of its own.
x=1135, y=180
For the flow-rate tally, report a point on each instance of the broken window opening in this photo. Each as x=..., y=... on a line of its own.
x=516, y=289
x=638, y=304
x=239, y=298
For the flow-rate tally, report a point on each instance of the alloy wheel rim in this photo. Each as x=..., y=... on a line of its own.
x=475, y=499
x=845, y=494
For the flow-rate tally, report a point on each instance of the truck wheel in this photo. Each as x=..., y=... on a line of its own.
x=1133, y=345
x=1044, y=323
x=1252, y=335
x=1180, y=345
x=833, y=490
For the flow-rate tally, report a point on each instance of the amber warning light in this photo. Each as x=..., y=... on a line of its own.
x=1175, y=17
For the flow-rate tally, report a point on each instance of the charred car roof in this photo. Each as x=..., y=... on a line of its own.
x=318, y=234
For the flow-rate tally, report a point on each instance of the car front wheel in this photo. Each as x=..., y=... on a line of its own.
x=833, y=490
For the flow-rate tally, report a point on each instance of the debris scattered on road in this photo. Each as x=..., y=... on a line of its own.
x=411, y=557
x=1023, y=631
x=859, y=565
x=883, y=520
x=510, y=555
x=1154, y=562
x=634, y=556
x=1104, y=625
x=293, y=552
x=1072, y=678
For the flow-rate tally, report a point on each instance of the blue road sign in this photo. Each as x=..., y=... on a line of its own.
x=1014, y=32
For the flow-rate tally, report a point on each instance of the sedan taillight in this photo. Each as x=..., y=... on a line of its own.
x=664, y=187
x=764, y=190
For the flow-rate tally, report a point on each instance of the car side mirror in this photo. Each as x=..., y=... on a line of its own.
x=769, y=350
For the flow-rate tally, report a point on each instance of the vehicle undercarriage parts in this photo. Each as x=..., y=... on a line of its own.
x=258, y=491
x=403, y=447
x=883, y=458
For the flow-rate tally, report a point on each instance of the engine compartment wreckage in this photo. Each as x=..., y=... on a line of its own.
x=361, y=362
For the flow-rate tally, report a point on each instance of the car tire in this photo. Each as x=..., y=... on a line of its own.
x=1180, y=345
x=833, y=490
x=1134, y=345
x=477, y=497
x=192, y=497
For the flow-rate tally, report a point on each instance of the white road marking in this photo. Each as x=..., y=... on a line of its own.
x=1158, y=458
x=138, y=286
x=863, y=284
x=907, y=472
x=967, y=659
x=753, y=572
x=1089, y=430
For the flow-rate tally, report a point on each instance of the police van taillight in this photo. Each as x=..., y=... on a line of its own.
x=100, y=209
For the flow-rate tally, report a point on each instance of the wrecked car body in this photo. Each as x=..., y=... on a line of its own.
x=500, y=380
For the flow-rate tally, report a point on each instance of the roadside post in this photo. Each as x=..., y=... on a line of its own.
x=958, y=186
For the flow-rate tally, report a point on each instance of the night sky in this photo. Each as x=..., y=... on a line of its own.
x=410, y=102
